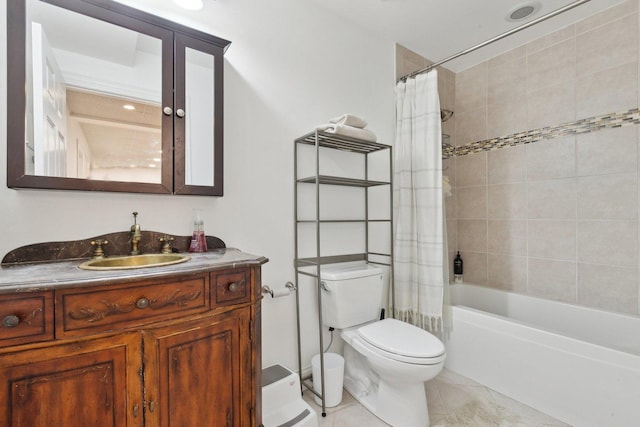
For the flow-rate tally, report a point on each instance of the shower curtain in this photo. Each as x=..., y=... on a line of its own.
x=419, y=232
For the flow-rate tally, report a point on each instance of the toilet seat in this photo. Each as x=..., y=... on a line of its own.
x=403, y=342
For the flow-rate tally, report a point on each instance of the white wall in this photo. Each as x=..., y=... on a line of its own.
x=291, y=66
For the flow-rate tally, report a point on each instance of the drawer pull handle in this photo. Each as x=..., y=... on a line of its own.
x=152, y=405
x=136, y=409
x=10, y=321
x=234, y=287
x=142, y=303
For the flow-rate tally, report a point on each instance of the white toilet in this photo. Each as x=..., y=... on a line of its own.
x=386, y=361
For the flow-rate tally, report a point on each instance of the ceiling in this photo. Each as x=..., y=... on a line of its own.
x=437, y=29
x=117, y=138
x=80, y=34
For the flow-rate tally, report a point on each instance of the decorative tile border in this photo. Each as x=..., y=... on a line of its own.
x=592, y=124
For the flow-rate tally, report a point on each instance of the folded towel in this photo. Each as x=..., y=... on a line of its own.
x=349, y=120
x=351, y=131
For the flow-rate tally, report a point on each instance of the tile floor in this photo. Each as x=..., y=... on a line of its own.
x=454, y=401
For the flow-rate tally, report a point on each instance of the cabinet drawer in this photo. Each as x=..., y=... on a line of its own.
x=26, y=318
x=230, y=287
x=103, y=309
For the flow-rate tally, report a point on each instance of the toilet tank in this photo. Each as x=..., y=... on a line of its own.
x=351, y=294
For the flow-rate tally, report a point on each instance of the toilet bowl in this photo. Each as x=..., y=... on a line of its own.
x=386, y=361
x=400, y=358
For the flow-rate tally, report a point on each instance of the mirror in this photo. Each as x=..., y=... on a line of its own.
x=97, y=111
x=199, y=80
x=83, y=123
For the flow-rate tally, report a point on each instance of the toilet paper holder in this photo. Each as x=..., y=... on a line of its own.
x=275, y=293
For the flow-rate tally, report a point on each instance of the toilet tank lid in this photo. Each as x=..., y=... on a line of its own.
x=402, y=338
x=347, y=270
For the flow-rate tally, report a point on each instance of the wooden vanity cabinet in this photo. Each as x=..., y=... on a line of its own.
x=92, y=382
x=194, y=373
x=187, y=363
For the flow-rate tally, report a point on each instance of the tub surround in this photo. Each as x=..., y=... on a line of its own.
x=553, y=214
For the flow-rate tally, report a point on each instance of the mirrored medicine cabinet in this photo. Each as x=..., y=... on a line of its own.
x=104, y=97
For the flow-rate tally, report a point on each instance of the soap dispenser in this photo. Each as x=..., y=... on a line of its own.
x=199, y=239
x=457, y=268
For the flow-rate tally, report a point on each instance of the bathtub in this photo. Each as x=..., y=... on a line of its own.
x=577, y=364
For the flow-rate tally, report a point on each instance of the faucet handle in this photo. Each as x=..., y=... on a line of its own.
x=135, y=227
x=98, y=252
x=166, y=245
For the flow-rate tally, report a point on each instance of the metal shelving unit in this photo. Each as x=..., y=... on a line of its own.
x=310, y=266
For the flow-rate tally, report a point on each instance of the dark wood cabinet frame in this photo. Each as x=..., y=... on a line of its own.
x=175, y=38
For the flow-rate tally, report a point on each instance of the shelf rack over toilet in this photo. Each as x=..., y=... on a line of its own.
x=324, y=140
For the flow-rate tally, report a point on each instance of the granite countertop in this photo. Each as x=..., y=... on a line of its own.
x=63, y=274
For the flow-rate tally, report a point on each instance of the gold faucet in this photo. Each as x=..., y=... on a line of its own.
x=166, y=244
x=136, y=235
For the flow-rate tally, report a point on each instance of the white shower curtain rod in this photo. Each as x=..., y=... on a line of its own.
x=496, y=38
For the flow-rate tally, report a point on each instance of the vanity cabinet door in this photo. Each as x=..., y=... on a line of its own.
x=196, y=373
x=84, y=383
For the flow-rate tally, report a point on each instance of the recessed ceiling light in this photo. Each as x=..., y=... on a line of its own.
x=128, y=107
x=523, y=11
x=190, y=4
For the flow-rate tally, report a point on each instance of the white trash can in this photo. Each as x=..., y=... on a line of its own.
x=333, y=377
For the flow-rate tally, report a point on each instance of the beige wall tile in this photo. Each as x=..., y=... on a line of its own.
x=552, y=279
x=507, y=237
x=551, y=105
x=470, y=126
x=608, y=242
x=611, y=90
x=606, y=16
x=452, y=255
x=471, y=170
x=475, y=267
x=609, y=288
x=552, y=199
x=612, y=196
x=551, y=159
x=511, y=55
x=507, y=165
x=471, y=88
x=508, y=117
x=607, y=46
x=544, y=42
x=607, y=151
x=407, y=61
x=447, y=74
x=507, y=272
x=471, y=202
x=506, y=94
x=507, y=201
x=552, y=65
x=472, y=235
x=449, y=169
x=552, y=239
x=446, y=90
x=452, y=234
x=505, y=80
x=450, y=205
